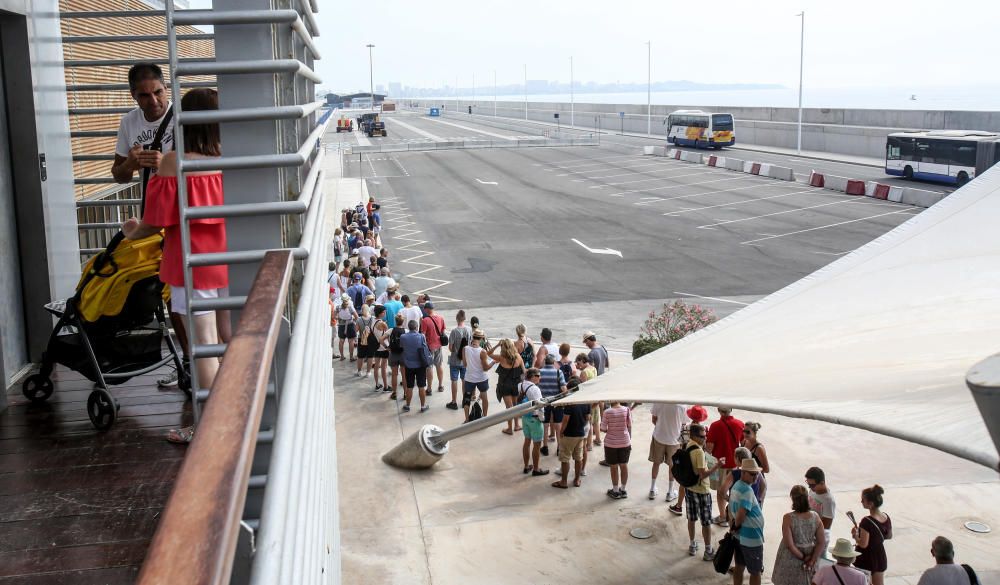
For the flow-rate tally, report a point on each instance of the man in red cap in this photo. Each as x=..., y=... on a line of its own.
x=697, y=414
x=723, y=439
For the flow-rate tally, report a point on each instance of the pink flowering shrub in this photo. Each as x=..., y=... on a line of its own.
x=674, y=321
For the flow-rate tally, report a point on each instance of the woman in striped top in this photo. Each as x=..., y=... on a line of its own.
x=616, y=422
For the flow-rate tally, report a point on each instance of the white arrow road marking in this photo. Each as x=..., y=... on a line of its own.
x=481, y=182
x=598, y=250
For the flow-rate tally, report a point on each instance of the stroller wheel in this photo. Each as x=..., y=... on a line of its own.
x=102, y=409
x=37, y=388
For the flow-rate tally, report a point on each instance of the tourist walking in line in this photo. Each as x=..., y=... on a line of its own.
x=723, y=438
x=668, y=423
x=416, y=357
x=358, y=291
x=367, y=341
x=381, y=356
x=616, y=423
x=457, y=340
x=598, y=353
x=584, y=369
x=383, y=259
x=531, y=424
x=392, y=305
x=396, y=354
x=410, y=312
x=510, y=372
x=758, y=452
x=382, y=283
x=338, y=245
x=945, y=571
x=477, y=365
x=552, y=384
x=433, y=328
x=366, y=253
x=842, y=573
x=733, y=476
x=871, y=533
x=346, y=326
x=524, y=346
x=748, y=524
x=484, y=342
x=698, y=499
x=802, y=542
x=821, y=499
x=572, y=438
x=697, y=414
x=565, y=363
x=547, y=349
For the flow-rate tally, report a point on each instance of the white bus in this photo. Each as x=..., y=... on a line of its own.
x=947, y=156
x=700, y=129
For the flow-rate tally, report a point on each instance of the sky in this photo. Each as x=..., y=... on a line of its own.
x=848, y=43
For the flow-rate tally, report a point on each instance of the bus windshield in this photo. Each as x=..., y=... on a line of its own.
x=722, y=122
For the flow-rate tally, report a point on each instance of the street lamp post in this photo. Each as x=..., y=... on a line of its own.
x=802, y=49
x=473, y=92
x=649, y=88
x=494, y=93
x=572, y=105
x=525, y=91
x=371, y=74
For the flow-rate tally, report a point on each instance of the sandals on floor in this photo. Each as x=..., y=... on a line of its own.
x=559, y=484
x=507, y=431
x=180, y=436
x=539, y=472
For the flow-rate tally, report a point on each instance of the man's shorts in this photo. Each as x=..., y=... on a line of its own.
x=416, y=377
x=571, y=448
x=595, y=416
x=699, y=507
x=457, y=373
x=395, y=359
x=532, y=428
x=178, y=298
x=617, y=455
x=347, y=331
x=436, y=357
x=753, y=558
x=469, y=391
x=553, y=414
x=660, y=453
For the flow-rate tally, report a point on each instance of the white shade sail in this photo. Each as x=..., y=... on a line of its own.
x=880, y=339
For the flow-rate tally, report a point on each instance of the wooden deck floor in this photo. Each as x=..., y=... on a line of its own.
x=78, y=506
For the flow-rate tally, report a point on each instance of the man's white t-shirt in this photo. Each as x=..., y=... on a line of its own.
x=366, y=253
x=134, y=129
x=532, y=392
x=411, y=313
x=669, y=420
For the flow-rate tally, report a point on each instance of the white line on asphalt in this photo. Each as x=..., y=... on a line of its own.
x=684, y=294
x=481, y=182
x=687, y=209
x=598, y=250
x=361, y=138
x=369, y=159
x=588, y=160
x=494, y=134
x=412, y=128
x=667, y=188
x=660, y=179
x=664, y=167
x=720, y=222
x=832, y=253
x=823, y=227
x=400, y=165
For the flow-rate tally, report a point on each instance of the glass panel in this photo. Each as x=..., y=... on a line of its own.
x=722, y=122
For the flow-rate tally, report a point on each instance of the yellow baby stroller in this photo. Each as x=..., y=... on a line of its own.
x=112, y=328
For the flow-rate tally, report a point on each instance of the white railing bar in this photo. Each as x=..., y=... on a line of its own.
x=300, y=29
x=96, y=157
x=139, y=38
x=261, y=160
x=248, y=67
x=97, y=111
x=239, y=257
x=309, y=17
x=294, y=407
x=250, y=114
x=208, y=350
x=221, y=17
x=122, y=62
x=95, y=181
x=107, y=202
x=124, y=87
x=100, y=226
x=218, y=304
x=111, y=14
x=93, y=134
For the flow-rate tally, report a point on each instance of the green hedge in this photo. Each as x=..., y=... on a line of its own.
x=644, y=345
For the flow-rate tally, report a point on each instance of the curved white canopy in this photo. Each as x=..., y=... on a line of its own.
x=880, y=339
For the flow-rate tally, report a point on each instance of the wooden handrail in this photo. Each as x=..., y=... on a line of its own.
x=195, y=540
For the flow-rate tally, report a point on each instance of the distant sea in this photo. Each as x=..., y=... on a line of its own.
x=924, y=98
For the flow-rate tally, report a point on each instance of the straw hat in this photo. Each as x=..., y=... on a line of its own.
x=750, y=465
x=843, y=549
x=588, y=335
x=479, y=334
x=697, y=413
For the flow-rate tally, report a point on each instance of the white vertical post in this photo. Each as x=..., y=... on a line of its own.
x=494, y=93
x=571, y=100
x=802, y=49
x=525, y=91
x=473, y=92
x=649, y=88
x=371, y=74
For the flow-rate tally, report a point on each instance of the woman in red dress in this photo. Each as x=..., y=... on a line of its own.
x=207, y=235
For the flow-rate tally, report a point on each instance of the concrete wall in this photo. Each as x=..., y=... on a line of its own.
x=855, y=132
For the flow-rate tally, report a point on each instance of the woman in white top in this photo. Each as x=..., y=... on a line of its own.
x=346, y=315
x=476, y=378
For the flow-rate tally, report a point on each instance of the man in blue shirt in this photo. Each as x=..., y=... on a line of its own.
x=414, y=352
x=747, y=521
x=358, y=292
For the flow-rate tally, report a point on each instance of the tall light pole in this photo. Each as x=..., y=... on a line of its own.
x=572, y=105
x=494, y=93
x=649, y=88
x=371, y=74
x=525, y=91
x=473, y=91
x=802, y=52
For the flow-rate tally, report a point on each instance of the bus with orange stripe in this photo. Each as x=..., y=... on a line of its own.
x=700, y=129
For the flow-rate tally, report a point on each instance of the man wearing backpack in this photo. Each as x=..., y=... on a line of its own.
x=457, y=340
x=358, y=292
x=946, y=572
x=690, y=470
x=396, y=353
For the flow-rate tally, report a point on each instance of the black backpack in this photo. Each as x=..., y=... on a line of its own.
x=476, y=410
x=395, y=344
x=682, y=468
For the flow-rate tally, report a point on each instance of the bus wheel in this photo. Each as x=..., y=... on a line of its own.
x=908, y=172
x=963, y=178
